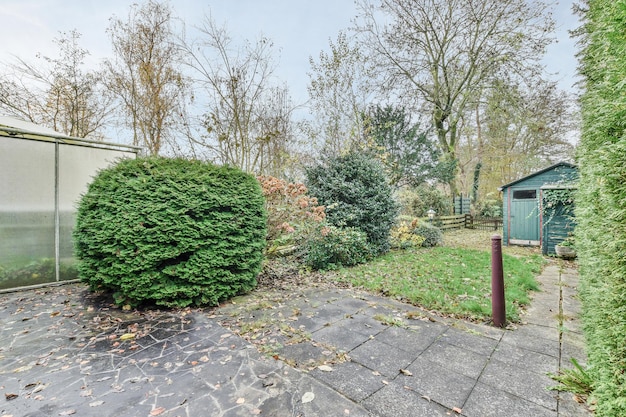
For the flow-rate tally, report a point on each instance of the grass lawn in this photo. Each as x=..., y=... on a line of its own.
x=454, y=279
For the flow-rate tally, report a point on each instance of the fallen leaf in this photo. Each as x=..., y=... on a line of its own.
x=406, y=372
x=255, y=412
x=307, y=397
x=325, y=368
x=10, y=397
x=96, y=403
x=457, y=410
x=376, y=373
x=127, y=336
x=55, y=313
x=157, y=411
x=385, y=382
x=67, y=412
x=241, y=400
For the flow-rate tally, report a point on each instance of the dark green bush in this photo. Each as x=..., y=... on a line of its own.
x=355, y=192
x=335, y=247
x=432, y=235
x=172, y=232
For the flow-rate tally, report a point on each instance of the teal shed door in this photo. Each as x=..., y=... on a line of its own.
x=524, y=218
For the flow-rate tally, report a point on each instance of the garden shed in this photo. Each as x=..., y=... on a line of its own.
x=530, y=220
x=42, y=176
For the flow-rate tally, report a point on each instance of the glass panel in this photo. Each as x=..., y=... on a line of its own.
x=77, y=167
x=26, y=212
x=524, y=194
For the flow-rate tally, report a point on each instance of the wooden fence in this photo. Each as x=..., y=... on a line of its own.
x=467, y=221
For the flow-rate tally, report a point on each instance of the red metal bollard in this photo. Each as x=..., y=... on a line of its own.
x=498, y=310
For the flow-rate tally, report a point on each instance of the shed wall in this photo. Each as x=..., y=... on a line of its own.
x=560, y=173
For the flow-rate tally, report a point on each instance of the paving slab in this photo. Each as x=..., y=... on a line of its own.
x=298, y=352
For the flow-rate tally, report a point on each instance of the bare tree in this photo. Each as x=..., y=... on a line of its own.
x=437, y=54
x=58, y=92
x=246, y=119
x=144, y=75
x=338, y=95
x=519, y=129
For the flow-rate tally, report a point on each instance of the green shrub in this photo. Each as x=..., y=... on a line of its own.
x=417, y=201
x=403, y=234
x=172, y=232
x=355, y=192
x=432, y=235
x=489, y=208
x=335, y=247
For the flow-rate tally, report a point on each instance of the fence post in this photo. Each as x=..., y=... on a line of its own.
x=498, y=308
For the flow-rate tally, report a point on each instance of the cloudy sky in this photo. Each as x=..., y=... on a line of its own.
x=300, y=28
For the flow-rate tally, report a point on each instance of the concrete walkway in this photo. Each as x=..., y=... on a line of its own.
x=315, y=352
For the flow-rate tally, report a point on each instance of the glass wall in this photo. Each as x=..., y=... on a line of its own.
x=41, y=182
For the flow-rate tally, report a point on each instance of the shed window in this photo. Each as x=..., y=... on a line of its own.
x=525, y=194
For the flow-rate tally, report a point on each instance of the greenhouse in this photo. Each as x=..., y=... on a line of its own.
x=42, y=176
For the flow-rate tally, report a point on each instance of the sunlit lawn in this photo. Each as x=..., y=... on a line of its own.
x=454, y=279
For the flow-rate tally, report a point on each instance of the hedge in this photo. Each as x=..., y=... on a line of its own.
x=172, y=232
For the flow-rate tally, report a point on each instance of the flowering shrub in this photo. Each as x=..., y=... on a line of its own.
x=403, y=236
x=291, y=214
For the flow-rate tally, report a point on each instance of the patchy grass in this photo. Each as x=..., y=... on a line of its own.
x=450, y=280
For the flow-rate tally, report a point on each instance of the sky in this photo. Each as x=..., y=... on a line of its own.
x=299, y=29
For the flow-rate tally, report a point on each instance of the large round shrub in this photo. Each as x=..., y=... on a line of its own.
x=172, y=232
x=355, y=192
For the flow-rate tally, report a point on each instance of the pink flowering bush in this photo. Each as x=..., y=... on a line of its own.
x=292, y=216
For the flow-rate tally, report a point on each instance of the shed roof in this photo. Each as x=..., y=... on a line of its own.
x=24, y=126
x=550, y=168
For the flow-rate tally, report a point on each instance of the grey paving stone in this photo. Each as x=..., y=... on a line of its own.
x=519, y=381
x=414, y=340
x=340, y=337
x=526, y=359
x=569, y=407
x=456, y=359
x=396, y=401
x=303, y=354
x=351, y=379
x=440, y=384
x=381, y=357
x=327, y=402
x=488, y=401
x=530, y=337
x=469, y=341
